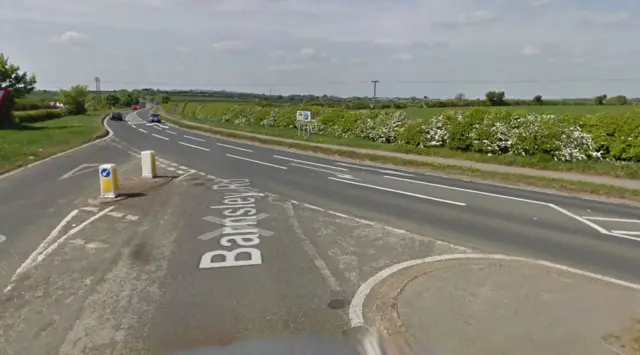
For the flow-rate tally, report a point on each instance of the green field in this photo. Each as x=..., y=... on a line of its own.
x=552, y=109
x=33, y=142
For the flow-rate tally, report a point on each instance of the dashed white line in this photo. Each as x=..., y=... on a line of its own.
x=168, y=131
x=193, y=146
x=612, y=219
x=374, y=169
x=195, y=139
x=142, y=130
x=342, y=175
x=257, y=161
x=400, y=192
x=155, y=135
x=308, y=162
x=238, y=148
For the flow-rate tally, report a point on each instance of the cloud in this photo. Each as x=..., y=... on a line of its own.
x=446, y=46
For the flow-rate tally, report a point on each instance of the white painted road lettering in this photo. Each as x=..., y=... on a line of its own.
x=238, y=227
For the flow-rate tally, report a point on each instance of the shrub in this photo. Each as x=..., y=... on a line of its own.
x=37, y=115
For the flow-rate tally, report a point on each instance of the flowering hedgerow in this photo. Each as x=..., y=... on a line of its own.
x=487, y=131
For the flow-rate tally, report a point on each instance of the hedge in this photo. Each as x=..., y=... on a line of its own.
x=564, y=137
x=37, y=115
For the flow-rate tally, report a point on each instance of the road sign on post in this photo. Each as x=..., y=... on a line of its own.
x=304, y=119
x=4, y=92
x=108, y=181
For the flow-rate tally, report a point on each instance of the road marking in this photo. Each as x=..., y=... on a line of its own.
x=339, y=174
x=156, y=127
x=557, y=208
x=308, y=162
x=2, y=238
x=78, y=171
x=401, y=192
x=168, y=131
x=626, y=232
x=356, y=309
x=142, y=130
x=220, y=221
x=180, y=172
x=116, y=214
x=256, y=161
x=374, y=169
x=193, y=146
x=90, y=209
x=155, y=135
x=185, y=175
x=194, y=138
x=238, y=148
x=612, y=219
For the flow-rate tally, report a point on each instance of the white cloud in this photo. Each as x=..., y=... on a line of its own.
x=274, y=42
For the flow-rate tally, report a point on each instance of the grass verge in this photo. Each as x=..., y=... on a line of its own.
x=522, y=180
x=37, y=141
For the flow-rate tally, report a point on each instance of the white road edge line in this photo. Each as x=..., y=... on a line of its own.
x=238, y=148
x=356, y=309
x=557, y=208
x=626, y=232
x=310, y=163
x=195, y=139
x=400, y=192
x=612, y=219
x=374, y=169
x=193, y=146
x=257, y=161
x=155, y=135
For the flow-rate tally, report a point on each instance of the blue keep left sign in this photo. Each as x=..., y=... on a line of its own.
x=105, y=172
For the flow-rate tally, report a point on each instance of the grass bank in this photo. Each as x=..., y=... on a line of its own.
x=271, y=136
x=36, y=141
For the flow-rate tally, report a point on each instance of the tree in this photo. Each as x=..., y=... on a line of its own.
x=537, y=100
x=599, y=100
x=19, y=83
x=165, y=99
x=460, y=97
x=128, y=98
x=75, y=99
x=618, y=100
x=496, y=98
x=112, y=100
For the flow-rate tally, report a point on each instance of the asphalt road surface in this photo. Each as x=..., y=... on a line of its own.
x=249, y=241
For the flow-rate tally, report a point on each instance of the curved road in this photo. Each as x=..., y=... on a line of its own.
x=158, y=272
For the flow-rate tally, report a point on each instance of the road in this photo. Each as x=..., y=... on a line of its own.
x=160, y=274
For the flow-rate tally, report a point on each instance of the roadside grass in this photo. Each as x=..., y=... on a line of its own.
x=513, y=179
x=37, y=141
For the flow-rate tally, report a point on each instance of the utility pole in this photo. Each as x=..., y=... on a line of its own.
x=375, y=90
x=98, y=88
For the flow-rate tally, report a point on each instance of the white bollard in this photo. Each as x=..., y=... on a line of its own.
x=108, y=181
x=148, y=158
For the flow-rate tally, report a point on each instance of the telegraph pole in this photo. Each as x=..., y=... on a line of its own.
x=98, y=88
x=375, y=89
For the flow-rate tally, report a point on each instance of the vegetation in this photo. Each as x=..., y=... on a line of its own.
x=20, y=84
x=607, y=143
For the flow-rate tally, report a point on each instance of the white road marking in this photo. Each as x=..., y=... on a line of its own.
x=256, y=161
x=238, y=148
x=187, y=174
x=374, y=169
x=168, y=131
x=310, y=163
x=79, y=170
x=155, y=135
x=612, y=219
x=142, y=130
x=116, y=214
x=193, y=146
x=401, y=192
x=557, y=208
x=156, y=127
x=195, y=139
x=180, y=172
x=626, y=232
x=131, y=217
x=2, y=238
x=356, y=309
x=339, y=174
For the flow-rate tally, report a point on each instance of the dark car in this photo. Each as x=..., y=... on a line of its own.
x=155, y=118
x=116, y=116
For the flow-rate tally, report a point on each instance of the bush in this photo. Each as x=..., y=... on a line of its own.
x=37, y=115
x=32, y=105
x=567, y=138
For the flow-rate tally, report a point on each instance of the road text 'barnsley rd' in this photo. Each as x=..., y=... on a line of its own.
x=238, y=229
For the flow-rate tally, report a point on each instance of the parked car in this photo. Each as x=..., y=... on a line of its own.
x=116, y=116
x=154, y=118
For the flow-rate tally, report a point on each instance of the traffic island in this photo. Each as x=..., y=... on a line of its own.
x=133, y=187
x=483, y=304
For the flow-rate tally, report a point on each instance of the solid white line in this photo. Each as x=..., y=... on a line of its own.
x=256, y=161
x=356, y=316
x=612, y=219
x=401, y=192
x=626, y=232
x=32, y=258
x=230, y=146
x=194, y=138
x=168, y=131
x=308, y=162
x=142, y=130
x=155, y=135
x=193, y=146
x=374, y=169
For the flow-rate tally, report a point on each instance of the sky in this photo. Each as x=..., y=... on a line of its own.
x=435, y=48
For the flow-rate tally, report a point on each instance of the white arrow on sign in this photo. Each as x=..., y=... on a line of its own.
x=79, y=170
